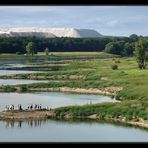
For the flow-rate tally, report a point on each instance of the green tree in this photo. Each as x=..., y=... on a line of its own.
x=46, y=51
x=133, y=38
x=140, y=50
x=30, y=48
x=128, y=49
x=115, y=47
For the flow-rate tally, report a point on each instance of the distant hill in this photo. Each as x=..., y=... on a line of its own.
x=49, y=32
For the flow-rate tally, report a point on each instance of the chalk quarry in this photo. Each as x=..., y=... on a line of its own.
x=49, y=32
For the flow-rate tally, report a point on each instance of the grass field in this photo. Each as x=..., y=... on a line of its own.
x=101, y=54
x=61, y=54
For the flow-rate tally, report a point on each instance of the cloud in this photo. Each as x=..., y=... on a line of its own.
x=112, y=23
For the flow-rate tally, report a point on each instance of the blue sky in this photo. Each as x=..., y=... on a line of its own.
x=107, y=20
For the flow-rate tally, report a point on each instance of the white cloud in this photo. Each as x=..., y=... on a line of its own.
x=112, y=23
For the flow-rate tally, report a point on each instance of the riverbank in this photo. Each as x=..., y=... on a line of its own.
x=46, y=114
x=108, y=91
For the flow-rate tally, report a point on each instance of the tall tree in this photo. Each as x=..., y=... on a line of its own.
x=46, y=51
x=115, y=47
x=30, y=48
x=140, y=52
x=133, y=38
x=128, y=49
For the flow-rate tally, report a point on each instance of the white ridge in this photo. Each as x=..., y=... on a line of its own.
x=49, y=32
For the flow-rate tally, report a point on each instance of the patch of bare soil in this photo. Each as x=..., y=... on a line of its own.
x=25, y=114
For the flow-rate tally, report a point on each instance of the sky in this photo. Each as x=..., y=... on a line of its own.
x=107, y=20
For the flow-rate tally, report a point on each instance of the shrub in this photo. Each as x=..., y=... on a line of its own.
x=8, y=88
x=22, y=89
x=18, y=53
x=114, y=66
x=117, y=61
x=93, y=77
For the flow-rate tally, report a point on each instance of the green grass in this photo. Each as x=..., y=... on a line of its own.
x=62, y=54
x=101, y=54
x=128, y=109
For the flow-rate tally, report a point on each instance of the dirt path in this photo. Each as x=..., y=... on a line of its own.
x=16, y=115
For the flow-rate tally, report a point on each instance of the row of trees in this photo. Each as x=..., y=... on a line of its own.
x=122, y=47
x=64, y=44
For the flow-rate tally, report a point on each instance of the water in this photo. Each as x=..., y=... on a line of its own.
x=7, y=72
x=19, y=81
x=50, y=99
x=64, y=131
x=16, y=65
x=13, y=64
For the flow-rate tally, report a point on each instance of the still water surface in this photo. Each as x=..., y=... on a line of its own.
x=62, y=131
x=50, y=99
x=19, y=81
x=8, y=72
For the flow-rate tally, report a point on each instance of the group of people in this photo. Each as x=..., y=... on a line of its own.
x=35, y=107
x=9, y=107
x=29, y=107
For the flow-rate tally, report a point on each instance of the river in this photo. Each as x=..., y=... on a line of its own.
x=50, y=99
x=64, y=131
x=19, y=81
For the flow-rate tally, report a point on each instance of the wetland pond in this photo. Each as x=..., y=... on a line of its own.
x=59, y=131
x=63, y=131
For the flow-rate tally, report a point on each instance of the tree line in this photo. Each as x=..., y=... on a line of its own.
x=115, y=45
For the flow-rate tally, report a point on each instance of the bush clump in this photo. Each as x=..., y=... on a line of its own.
x=8, y=88
x=22, y=89
x=18, y=53
x=117, y=61
x=114, y=66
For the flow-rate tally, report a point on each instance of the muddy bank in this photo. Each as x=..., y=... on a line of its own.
x=122, y=120
x=107, y=91
x=25, y=115
x=111, y=91
x=45, y=114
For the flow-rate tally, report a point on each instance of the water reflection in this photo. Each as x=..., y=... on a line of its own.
x=69, y=131
x=38, y=123
x=20, y=124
